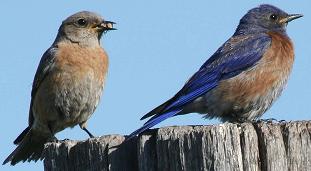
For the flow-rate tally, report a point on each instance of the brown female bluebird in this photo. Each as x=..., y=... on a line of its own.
x=243, y=78
x=67, y=85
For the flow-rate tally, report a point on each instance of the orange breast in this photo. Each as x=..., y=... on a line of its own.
x=73, y=86
x=83, y=60
x=255, y=89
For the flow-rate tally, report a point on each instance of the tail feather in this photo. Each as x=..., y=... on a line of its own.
x=155, y=111
x=153, y=121
x=29, y=148
x=21, y=136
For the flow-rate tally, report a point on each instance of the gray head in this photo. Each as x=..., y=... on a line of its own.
x=265, y=18
x=85, y=28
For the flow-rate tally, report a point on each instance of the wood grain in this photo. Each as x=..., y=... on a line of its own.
x=229, y=146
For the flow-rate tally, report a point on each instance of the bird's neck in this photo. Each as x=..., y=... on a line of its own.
x=245, y=29
x=88, y=42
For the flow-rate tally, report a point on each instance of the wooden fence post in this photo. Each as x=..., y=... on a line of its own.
x=241, y=147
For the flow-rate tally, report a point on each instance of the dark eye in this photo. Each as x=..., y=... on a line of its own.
x=82, y=22
x=273, y=17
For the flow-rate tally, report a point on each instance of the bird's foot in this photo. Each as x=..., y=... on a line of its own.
x=53, y=140
x=269, y=120
x=239, y=121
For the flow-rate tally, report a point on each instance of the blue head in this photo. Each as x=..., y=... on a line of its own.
x=265, y=18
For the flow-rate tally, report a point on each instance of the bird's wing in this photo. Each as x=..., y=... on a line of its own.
x=45, y=66
x=233, y=57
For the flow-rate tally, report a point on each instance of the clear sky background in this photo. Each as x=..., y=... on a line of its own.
x=157, y=47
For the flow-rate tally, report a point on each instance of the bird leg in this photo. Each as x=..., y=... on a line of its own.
x=88, y=132
x=83, y=127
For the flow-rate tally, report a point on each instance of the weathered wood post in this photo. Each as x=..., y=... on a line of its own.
x=246, y=146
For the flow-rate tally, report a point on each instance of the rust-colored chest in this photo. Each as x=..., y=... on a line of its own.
x=270, y=72
x=253, y=91
x=80, y=61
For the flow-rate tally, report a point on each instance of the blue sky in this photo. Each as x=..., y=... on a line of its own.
x=157, y=47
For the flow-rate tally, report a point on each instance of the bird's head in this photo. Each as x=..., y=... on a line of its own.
x=84, y=28
x=265, y=18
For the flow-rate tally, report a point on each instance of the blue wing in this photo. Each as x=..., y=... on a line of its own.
x=236, y=55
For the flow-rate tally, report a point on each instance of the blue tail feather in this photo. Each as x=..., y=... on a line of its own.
x=152, y=122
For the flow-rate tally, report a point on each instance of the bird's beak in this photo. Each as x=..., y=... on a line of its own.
x=290, y=18
x=107, y=25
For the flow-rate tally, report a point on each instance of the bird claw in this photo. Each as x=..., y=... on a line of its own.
x=53, y=140
x=269, y=120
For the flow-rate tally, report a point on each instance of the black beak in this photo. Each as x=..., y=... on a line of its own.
x=108, y=25
x=290, y=18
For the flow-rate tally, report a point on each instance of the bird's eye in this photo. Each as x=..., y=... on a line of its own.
x=82, y=22
x=273, y=17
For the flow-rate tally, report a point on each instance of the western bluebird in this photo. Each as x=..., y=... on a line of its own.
x=67, y=85
x=243, y=78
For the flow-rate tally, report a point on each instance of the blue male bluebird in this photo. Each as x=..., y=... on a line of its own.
x=67, y=85
x=243, y=78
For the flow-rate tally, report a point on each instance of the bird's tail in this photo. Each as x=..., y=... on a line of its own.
x=21, y=136
x=29, y=148
x=153, y=121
